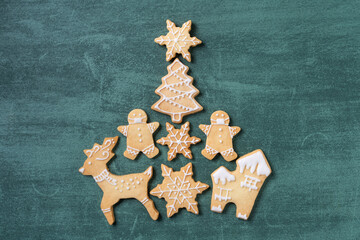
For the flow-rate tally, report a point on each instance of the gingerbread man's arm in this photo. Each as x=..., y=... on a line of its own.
x=205, y=128
x=153, y=126
x=234, y=131
x=123, y=130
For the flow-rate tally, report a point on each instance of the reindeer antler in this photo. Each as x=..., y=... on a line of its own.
x=105, y=149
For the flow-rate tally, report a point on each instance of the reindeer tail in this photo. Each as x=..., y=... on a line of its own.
x=148, y=172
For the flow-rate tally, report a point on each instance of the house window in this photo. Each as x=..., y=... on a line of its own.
x=250, y=182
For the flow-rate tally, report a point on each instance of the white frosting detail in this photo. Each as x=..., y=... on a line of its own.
x=250, y=182
x=148, y=171
x=228, y=152
x=210, y=150
x=216, y=209
x=106, y=210
x=220, y=121
x=179, y=189
x=149, y=149
x=220, y=196
x=145, y=200
x=104, y=175
x=178, y=94
x=242, y=216
x=223, y=175
x=253, y=160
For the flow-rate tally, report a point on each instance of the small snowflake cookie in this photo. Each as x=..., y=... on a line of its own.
x=116, y=187
x=139, y=135
x=178, y=140
x=178, y=40
x=219, y=137
x=177, y=93
x=179, y=189
x=240, y=186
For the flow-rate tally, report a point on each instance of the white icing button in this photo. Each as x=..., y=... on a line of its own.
x=89, y=163
x=139, y=129
x=220, y=141
x=140, y=179
x=219, y=135
x=139, y=135
x=220, y=129
x=116, y=188
x=127, y=188
x=137, y=182
x=140, y=140
x=122, y=181
x=130, y=179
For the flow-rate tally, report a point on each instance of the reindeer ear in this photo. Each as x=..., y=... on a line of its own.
x=87, y=152
x=110, y=142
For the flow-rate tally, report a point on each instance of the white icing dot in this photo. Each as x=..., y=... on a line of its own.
x=133, y=183
x=127, y=188
x=141, y=179
x=217, y=114
x=139, y=135
x=130, y=180
x=89, y=163
x=122, y=180
x=116, y=188
x=220, y=141
x=219, y=135
x=222, y=115
x=127, y=184
x=137, y=182
x=140, y=114
x=139, y=129
x=133, y=114
x=220, y=129
x=140, y=140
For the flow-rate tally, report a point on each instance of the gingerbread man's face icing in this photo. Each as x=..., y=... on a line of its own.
x=220, y=117
x=137, y=116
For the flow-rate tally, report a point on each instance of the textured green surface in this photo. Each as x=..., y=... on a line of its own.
x=287, y=72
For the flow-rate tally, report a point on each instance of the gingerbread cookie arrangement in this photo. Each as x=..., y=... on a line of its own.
x=179, y=189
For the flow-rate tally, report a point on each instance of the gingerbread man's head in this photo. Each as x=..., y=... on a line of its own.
x=220, y=117
x=137, y=116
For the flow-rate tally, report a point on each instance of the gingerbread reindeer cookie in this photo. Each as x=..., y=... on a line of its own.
x=219, y=137
x=116, y=187
x=139, y=135
x=240, y=186
x=178, y=140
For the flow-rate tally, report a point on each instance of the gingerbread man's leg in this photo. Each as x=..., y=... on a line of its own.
x=209, y=152
x=151, y=151
x=131, y=153
x=229, y=154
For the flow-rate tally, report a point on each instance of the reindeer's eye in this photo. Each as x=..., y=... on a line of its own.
x=89, y=163
x=222, y=115
x=217, y=114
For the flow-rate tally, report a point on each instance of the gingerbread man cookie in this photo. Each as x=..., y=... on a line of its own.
x=219, y=137
x=178, y=140
x=179, y=189
x=178, y=40
x=139, y=135
x=240, y=186
x=116, y=187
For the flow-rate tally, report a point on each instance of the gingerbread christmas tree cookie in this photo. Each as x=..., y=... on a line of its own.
x=178, y=140
x=139, y=135
x=177, y=93
x=179, y=189
x=219, y=137
x=178, y=40
x=116, y=187
x=240, y=186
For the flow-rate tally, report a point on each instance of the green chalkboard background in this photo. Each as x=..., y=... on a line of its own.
x=287, y=72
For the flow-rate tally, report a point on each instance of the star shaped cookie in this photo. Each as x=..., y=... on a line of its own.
x=178, y=140
x=178, y=40
x=179, y=189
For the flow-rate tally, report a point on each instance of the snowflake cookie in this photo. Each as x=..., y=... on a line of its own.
x=116, y=187
x=219, y=137
x=178, y=140
x=177, y=93
x=240, y=186
x=139, y=135
x=178, y=40
x=179, y=189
